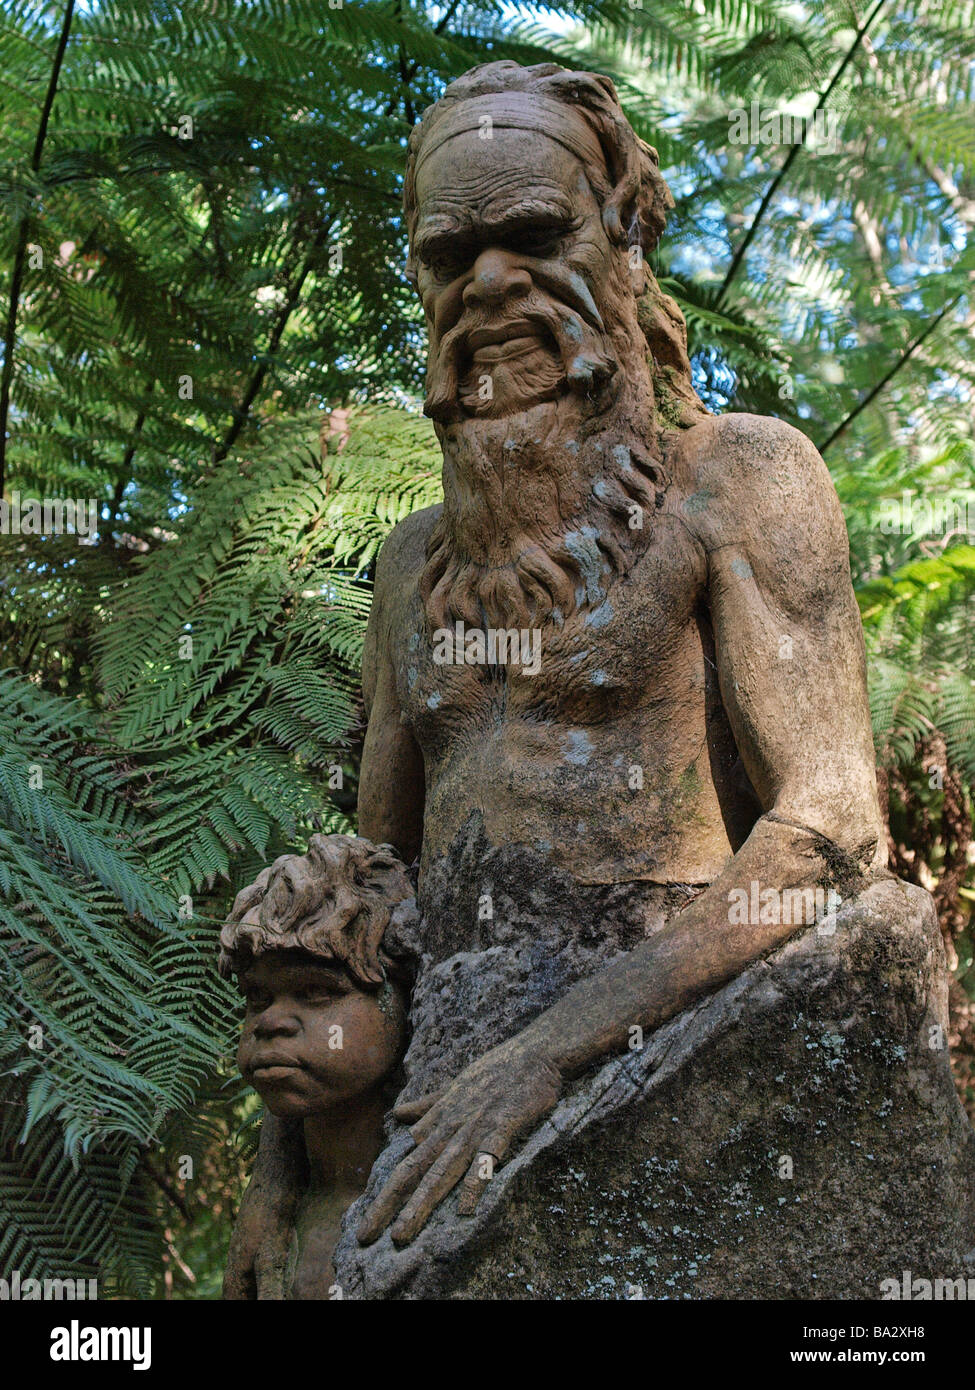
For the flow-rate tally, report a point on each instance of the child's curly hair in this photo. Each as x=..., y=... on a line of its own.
x=335, y=902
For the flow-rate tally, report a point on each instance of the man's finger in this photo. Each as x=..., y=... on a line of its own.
x=403, y=1179
x=411, y=1110
x=479, y=1174
x=442, y=1178
x=438, y=1115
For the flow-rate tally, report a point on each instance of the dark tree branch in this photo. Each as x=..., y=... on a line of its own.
x=406, y=74
x=214, y=229
x=885, y=380
x=442, y=24
x=126, y=469
x=793, y=154
x=168, y=1190
x=117, y=495
x=20, y=255
x=242, y=413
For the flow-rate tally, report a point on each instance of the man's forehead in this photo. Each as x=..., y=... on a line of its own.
x=468, y=192
x=465, y=166
x=530, y=120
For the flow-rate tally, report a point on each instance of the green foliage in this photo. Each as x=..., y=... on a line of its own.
x=127, y=829
x=200, y=255
x=229, y=658
x=104, y=1032
x=807, y=271
x=918, y=624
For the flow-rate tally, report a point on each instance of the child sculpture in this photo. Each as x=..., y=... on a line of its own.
x=327, y=999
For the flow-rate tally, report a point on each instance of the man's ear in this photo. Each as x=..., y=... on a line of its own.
x=637, y=208
x=617, y=213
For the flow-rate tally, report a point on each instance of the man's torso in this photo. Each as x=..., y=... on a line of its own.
x=615, y=761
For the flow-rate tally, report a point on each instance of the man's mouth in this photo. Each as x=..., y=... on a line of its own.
x=506, y=340
x=503, y=333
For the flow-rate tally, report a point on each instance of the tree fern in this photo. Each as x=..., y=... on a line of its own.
x=208, y=233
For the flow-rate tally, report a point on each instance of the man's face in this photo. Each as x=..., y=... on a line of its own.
x=512, y=260
x=312, y=1038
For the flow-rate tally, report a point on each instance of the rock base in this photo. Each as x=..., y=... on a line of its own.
x=796, y=1135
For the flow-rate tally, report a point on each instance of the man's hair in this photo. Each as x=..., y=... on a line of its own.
x=336, y=902
x=634, y=201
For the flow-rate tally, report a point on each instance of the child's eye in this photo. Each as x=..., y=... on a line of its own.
x=317, y=994
x=257, y=998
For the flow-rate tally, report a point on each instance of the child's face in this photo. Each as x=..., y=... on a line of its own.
x=312, y=1037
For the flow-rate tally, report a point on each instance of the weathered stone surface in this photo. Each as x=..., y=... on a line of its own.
x=484, y=975
x=662, y=1170
x=615, y=683
x=626, y=646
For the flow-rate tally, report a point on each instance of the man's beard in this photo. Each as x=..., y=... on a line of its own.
x=492, y=364
x=542, y=486
x=539, y=514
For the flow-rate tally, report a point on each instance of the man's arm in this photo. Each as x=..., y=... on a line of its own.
x=789, y=643
x=792, y=672
x=778, y=566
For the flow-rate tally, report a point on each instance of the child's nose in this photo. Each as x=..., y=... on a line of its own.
x=276, y=1019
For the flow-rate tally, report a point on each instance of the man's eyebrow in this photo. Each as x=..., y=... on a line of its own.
x=531, y=210
x=441, y=233
x=435, y=231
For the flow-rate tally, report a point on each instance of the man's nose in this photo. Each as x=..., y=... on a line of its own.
x=496, y=275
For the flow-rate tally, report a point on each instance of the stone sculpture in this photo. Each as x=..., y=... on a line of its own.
x=312, y=943
x=617, y=710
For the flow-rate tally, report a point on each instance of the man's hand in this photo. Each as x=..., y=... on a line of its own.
x=490, y=1105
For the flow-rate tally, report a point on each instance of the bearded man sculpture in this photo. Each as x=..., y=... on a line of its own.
x=630, y=825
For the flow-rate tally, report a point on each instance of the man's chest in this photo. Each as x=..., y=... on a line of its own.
x=637, y=644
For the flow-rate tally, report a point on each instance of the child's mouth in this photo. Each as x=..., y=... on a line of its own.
x=270, y=1069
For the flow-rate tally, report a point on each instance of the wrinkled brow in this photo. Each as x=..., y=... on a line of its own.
x=438, y=229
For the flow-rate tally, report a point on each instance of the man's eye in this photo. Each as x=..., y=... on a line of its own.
x=446, y=267
x=542, y=246
x=257, y=998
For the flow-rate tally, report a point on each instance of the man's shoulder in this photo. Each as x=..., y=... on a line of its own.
x=739, y=450
x=403, y=552
x=745, y=472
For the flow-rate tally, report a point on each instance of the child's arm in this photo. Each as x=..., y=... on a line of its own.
x=262, y=1232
